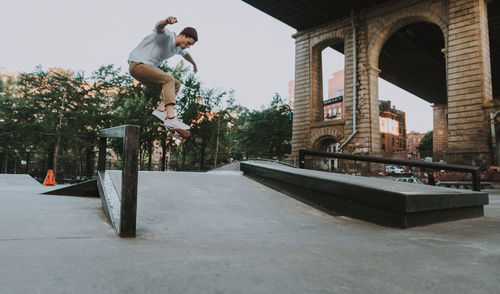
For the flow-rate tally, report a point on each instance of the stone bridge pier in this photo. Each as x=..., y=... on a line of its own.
x=462, y=132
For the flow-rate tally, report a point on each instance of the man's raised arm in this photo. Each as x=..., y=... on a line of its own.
x=160, y=26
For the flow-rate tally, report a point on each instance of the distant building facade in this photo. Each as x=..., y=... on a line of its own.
x=413, y=140
x=334, y=106
x=392, y=128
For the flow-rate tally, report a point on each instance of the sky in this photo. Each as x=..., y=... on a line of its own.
x=239, y=46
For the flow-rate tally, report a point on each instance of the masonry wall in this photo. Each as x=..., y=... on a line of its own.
x=469, y=82
x=440, y=135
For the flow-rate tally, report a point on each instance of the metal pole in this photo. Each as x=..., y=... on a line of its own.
x=6, y=160
x=130, y=175
x=301, y=158
x=28, y=162
x=163, y=153
x=476, y=181
x=101, y=162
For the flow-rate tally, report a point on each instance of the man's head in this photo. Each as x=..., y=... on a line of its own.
x=189, y=36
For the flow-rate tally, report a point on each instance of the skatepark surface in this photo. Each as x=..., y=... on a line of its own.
x=222, y=232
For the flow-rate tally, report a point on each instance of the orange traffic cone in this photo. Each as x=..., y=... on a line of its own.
x=50, y=180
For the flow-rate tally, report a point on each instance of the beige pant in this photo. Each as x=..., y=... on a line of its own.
x=151, y=75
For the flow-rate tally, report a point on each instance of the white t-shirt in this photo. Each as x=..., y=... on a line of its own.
x=155, y=48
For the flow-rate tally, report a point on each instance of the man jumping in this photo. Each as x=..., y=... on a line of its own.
x=150, y=53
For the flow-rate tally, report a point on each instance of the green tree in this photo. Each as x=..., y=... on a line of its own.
x=265, y=133
x=48, y=99
x=202, y=109
x=60, y=114
x=426, y=146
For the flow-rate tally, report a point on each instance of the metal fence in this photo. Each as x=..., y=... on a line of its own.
x=476, y=178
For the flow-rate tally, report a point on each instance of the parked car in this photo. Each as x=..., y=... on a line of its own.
x=465, y=185
x=413, y=180
x=392, y=169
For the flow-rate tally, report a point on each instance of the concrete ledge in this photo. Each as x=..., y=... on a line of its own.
x=380, y=201
x=110, y=199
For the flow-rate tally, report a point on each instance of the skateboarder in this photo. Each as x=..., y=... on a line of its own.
x=150, y=53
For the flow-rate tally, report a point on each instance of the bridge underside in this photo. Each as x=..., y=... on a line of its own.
x=411, y=59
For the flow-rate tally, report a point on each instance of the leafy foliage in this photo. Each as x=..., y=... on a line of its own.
x=426, y=145
x=58, y=114
x=266, y=133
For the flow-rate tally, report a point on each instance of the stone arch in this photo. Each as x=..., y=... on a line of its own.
x=320, y=135
x=379, y=33
x=394, y=23
x=318, y=44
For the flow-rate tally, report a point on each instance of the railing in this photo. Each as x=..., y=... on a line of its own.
x=476, y=178
x=125, y=222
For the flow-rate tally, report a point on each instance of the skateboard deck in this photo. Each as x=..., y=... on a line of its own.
x=181, y=132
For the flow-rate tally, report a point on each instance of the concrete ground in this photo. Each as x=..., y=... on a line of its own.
x=222, y=232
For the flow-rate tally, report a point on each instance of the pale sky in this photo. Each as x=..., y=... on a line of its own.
x=239, y=47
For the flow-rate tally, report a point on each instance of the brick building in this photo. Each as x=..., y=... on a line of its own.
x=392, y=128
x=413, y=140
x=333, y=107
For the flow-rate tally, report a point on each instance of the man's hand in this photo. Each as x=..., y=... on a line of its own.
x=160, y=26
x=171, y=20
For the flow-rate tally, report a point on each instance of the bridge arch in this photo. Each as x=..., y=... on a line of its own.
x=395, y=22
x=324, y=137
x=334, y=40
x=428, y=57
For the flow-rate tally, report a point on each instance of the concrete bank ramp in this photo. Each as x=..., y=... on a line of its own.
x=375, y=200
x=13, y=183
x=197, y=204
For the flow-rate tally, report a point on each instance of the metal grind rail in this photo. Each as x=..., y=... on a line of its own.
x=476, y=178
x=125, y=222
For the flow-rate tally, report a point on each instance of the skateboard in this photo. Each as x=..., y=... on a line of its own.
x=181, y=132
x=164, y=129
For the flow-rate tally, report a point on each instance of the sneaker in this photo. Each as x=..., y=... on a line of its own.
x=175, y=123
x=161, y=115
